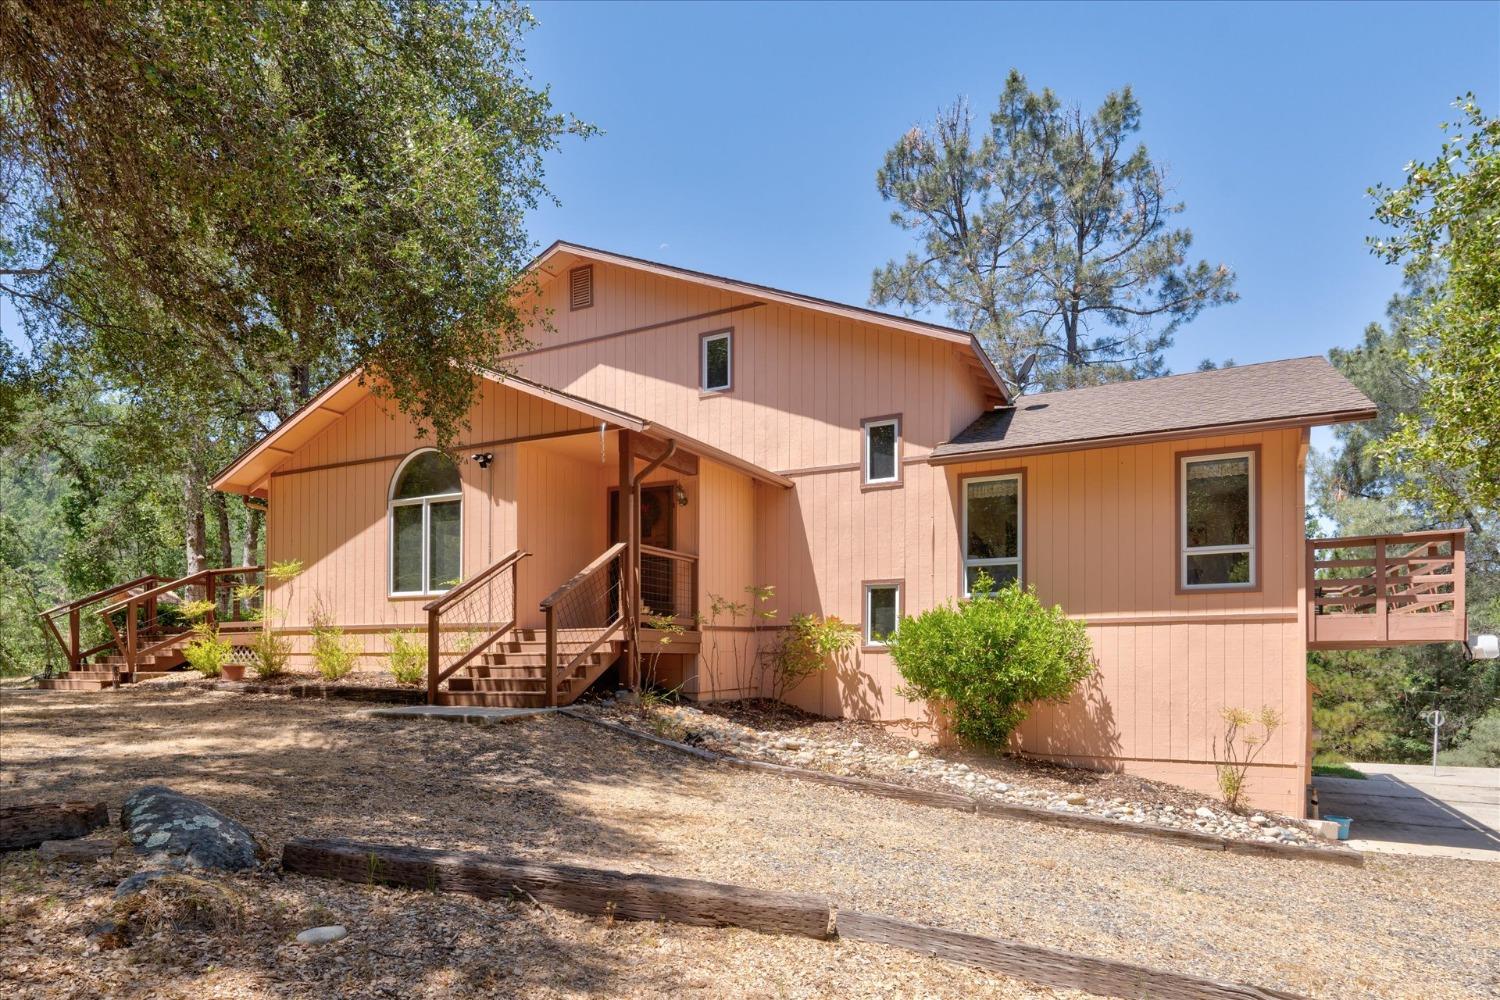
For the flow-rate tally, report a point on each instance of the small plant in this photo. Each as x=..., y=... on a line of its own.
x=408, y=656
x=807, y=645
x=990, y=657
x=720, y=608
x=269, y=654
x=334, y=654
x=205, y=652
x=1241, y=748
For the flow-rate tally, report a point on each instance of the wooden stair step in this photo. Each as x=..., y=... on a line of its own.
x=75, y=684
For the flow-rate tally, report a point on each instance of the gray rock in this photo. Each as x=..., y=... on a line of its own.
x=323, y=935
x=1077, y=799
x=1203, y=812
x=162, y=822
x=135, y=883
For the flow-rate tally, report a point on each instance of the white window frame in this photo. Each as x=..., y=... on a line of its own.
x=425, y=502
x=1018, y=559
x=1209, y=550
x=703, y=342
x=869, y=614
x=895, y=476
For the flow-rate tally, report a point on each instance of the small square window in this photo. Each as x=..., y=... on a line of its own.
x=716, y=361
x=882, y=462
x=882, y=611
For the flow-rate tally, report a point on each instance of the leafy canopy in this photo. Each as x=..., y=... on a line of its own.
x=1047, y=235
x=236, y=200
x=1446, y=217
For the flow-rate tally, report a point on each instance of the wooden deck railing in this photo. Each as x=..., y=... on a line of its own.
x=669, y=584
x=147, y=631
x=469, y=619
x=75, y=610
x=592, y=599
x=1386, y=590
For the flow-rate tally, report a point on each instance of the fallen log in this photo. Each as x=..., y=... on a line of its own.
x=26, y=826
x=594, y=891
x=1047, y=966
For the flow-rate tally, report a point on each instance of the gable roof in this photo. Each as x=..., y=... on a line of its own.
x=1301, y=392
x=245, y=473
x=561, y=255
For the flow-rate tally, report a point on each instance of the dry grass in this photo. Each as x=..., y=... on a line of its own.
x=559, y=789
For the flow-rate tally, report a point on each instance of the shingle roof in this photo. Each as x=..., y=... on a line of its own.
x=1299, y=391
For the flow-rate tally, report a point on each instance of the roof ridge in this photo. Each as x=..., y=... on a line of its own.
x=1173, y=375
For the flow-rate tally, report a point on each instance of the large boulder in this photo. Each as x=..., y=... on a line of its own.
x=183, y=832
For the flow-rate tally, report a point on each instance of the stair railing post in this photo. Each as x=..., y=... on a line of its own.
x=1382, y=585
x=73, y=659
x=131, y=631
x=434, y=657
x=551, y=667
x=212, y=588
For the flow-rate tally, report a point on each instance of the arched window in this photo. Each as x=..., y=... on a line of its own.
x=426, y=515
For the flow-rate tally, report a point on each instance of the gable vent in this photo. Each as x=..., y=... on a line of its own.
x=581, y=287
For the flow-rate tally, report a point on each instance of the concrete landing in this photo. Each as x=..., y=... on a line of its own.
x=460, y=713
x=1406, y=809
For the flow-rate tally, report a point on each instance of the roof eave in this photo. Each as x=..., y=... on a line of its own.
x=941, y=457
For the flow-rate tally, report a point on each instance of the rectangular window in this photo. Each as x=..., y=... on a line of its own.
x=882, y=611
x=992, y=530
x=716, y=361
x=1217, y=494
x=406, y=549
x=882, y=450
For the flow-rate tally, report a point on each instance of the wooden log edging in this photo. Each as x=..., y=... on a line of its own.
x=1046, y=966
x=594, y=891
x=641, y=896
x=23, y=827
x=990, y=807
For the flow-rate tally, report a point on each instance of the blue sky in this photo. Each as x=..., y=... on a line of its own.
x=744, y=139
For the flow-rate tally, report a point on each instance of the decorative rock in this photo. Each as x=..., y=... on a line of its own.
x=1258, y=820
x=76, y=852
x=323, y=935
x=163, y=822
x=1203, y=812
x=1077, y=799
x=913, y=755
x=135, y=883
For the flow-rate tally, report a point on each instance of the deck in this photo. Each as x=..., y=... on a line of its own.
x=1386, y=590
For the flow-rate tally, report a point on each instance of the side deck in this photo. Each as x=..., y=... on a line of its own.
x=1386, y=590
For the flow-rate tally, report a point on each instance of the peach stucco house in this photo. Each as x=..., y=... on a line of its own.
x=863, y=465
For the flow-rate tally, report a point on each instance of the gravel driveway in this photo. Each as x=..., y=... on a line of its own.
x=558, y=788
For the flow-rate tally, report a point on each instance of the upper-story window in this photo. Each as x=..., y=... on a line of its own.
x=716, y=361
x=426, y=517
x=1217, y=521
x=992, y=529
x=882, y=460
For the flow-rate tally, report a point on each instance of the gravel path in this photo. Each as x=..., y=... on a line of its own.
x=561, y=789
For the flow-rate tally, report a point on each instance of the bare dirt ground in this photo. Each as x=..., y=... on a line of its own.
x=559, y=789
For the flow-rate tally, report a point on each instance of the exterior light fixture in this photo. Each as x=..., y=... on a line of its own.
x=484, y=458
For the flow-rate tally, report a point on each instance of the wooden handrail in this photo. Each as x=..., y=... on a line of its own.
x=583, y=574
x=436, y=674
x=652, y=550
x=106, y=592
x=202, y=576
x=1356, y=541
x=70, y=646
x=463, y=588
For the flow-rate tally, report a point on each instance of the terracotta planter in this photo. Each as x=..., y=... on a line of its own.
x=233, y=671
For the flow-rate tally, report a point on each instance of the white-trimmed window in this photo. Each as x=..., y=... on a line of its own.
x=992, y=529
x=426, y=518
x=716, y=361
x=882, y=610
x=882, y=460
x=1217, y=521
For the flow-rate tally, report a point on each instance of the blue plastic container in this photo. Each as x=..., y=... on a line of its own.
x=1342, y=821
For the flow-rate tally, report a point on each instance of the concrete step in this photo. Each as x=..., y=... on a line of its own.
x=491, y=699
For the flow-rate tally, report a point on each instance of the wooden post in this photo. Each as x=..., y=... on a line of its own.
x=212, y=597
x=1382, y=587
x=434, y=656
x=130, y=642
x=552, y=678
x=1460, y=600
x=630, y=525
x=73, y=661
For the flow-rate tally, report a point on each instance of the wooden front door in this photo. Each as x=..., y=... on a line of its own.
x=659, y=530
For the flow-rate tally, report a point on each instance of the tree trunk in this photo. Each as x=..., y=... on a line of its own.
x=252, y=536
x=195, y=527
x=221, y=519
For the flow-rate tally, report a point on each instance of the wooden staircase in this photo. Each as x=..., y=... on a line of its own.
x=110, y=670
x=512, y=673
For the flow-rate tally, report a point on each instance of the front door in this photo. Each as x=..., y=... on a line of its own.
x=658, y=530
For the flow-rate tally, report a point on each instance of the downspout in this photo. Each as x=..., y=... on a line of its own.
x=633, y=561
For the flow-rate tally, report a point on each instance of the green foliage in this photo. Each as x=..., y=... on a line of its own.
x=334, y=654
x=990, y=657
x=1331, y=770
x=1241, y=747
x=408, y=656
x=1480, y=747
x=206, y=652
x=807, y=646
x=275, y=189
x=1046, y=235
x=270, y=654
x=1448, y=212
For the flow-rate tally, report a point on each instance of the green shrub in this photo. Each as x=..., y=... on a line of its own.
x=408, y=654
x=1481, y=749
x=333, y=653
x=269, y=654
x=806, y=646
x=207, y=653
x=989, y=658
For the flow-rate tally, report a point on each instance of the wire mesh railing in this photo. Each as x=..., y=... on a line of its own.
x=469, y=619
x=592, y=600
x=669, y=584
